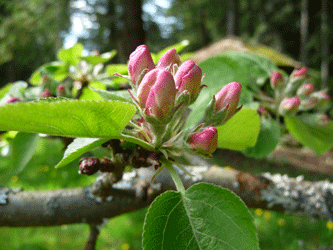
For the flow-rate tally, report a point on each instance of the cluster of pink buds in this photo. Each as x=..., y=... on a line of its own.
x=292, y=95
x=162, y=93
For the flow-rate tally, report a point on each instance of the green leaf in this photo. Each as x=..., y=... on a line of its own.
x=88, y=94
x=268, y=138
x=5, y=89
x=206, y=217
x=243, y=67
x=15, y=90
x=117, y=68
x=318, y=138
x=56, y=70
x=24, y=146
x=78, y=147
x=72, y=118
x=121, y=95
x=103, y=58
x=71, y=55
x=241, y=131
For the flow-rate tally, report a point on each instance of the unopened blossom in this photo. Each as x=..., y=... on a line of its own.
x=290, y=105
x=46, y=94
x=169, y=58
x=300, y=72
x=14, y=99
x=228, y=95
x=204, y=142
x=139, y=60
x=276, y=79
x=156, y=93
x=305, y=90
x=188, y=78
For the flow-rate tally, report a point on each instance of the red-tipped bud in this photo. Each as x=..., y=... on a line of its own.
x=228, y=95
x=157, y=93
x=323, y=97
x=311, y=103
x=204, y=142
x=139, y=60
x=45, y=94
x=46, y=80
x=169, y=58
x=305, y=90
x=300, y=73
x=290, y=105
x=276, y=79
x=61, y=90
x=263, y=110
x=14, y=99
x=188, y=77
x=322, y=119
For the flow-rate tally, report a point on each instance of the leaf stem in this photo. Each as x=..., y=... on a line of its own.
x=175, y=177
x=137, y=141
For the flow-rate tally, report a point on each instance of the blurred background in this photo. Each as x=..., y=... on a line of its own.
x=292, y=33
x=32, y=31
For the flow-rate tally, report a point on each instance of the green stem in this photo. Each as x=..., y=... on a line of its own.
x=175, y=177
x=136, y=141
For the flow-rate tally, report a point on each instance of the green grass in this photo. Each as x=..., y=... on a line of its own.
x=280, y=231
x=275, y=230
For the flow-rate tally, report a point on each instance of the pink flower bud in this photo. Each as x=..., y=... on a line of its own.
x=61, y=90
x=45, y=80
x=228, y=95
x=323, y=98
x=322, y=119
x=300, y=72
x=14, y=99
x=305, y=90
x=45, y=94
x=310, y=103
x=290, y=105
x=276, y=79
x=169, y=58
x=139, y=60
x=157, y=93
x=188, y=77
x=263, y=110
x=204, y=142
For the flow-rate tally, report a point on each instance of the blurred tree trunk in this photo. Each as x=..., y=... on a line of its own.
x=324, y=45
x=233, y=18
x=132, y=34
x=203, y=30
x=304, y=30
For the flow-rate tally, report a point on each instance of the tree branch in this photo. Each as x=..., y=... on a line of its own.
x=79, y=205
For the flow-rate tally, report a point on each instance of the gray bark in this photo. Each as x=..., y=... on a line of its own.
x=79, y=205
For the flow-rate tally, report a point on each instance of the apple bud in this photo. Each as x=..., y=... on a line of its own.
x=204, y=142
x=289, y=106
x=157, y=93
x=188, y=78
x=228, y=95
x=276, y=79
x=139, y=60
x=169, y=58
